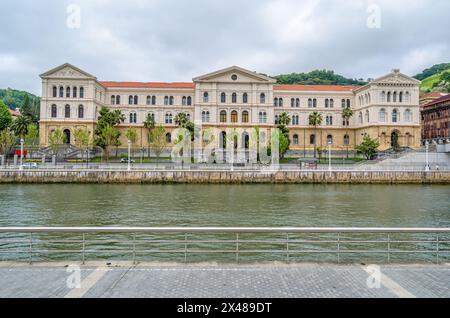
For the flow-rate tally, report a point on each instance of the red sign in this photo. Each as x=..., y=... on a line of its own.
x=18, y=153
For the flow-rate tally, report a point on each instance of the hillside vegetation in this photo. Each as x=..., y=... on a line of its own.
x=317, y=77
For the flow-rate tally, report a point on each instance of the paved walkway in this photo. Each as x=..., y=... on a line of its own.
x=217, y=281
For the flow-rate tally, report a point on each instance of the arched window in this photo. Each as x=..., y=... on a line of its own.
x=280, y=102
x=382, y=115
x=394, y=98
x=223, y=98
x=389, y=97
x=113, y=100
x=297, y=102
x=55, y=91
x=245, y=116
x=67, y=92
x=314, y=103
x=349, y=103
x=383, y=96
x=295, y=139
x=245, y=98
x=80, y=111
x=169, y=119
x=329, y=120
x=343, y=103
x=275, y=102
x=133, y=118
x=74, y=92
x=205, y=116
x=130, y=100
x=118, y=100
x=166, y=100
x=205, y=97
x=327, y=103
x=262, y=117
x=367, y=116
x=400, y=97
x=61, y=92
x=395, y=116
x=292, y=102
x=54, y=111
x=346, y=140
x=277, y=118
x=81, y=92
x=312, y=139
x=262, y=98
x=407, y=97
x=310, y=103
x=148, y=100
x=189, y=100
x=67, y=111
x=330, y=139
x=136, y=100
x=331, y=103
x=168, y=138
x=223, y=116
x=184, y=101
x=234, y=98
x=360, y=117
x=234, y=116
x=408, y=116
x=295, y=120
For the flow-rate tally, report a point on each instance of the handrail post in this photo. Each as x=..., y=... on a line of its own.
x=134, y=248
x=31, y=248
x=437, y=249
x=339, y=247
x=185, y=248
x=84, y=248
x=237, y=248
x=389, y=248
x=287, y=247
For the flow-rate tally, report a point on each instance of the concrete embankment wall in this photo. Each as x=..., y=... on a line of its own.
x=227, y=177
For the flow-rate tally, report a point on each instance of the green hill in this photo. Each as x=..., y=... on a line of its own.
x=27, y=102
x=317, y=77
x=439, y=82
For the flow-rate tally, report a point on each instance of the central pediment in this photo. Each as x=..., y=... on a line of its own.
x=395, y=77
x=67, y=71
x=234, y=74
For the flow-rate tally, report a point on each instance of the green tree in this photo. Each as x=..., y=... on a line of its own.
x=131, y=135
x=5, y=116
x=315, y=119
x=283, y=121
x=20, y=125
x=56, y=140
x=368, y=147
x=32, y=136
x=149, y=124
x=347, y=113
x=82, y=139
x=158, y=140
x=7, y=141
x=110, y=136
x=107, y=119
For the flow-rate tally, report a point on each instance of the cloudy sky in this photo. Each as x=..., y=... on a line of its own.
x=176, y=40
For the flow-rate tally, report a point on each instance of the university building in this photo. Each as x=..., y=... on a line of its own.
x=436, y=119
x=386, y=108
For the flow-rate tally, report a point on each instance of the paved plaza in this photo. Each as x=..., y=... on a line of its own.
x=223, y=281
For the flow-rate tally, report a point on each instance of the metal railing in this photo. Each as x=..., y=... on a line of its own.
x=289, y=244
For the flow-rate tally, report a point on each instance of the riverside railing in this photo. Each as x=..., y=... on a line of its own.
x=236, y=244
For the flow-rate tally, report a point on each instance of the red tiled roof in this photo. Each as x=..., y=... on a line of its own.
x=438, y=101
x=147, y=85
x=321, y=88
x=432, y=95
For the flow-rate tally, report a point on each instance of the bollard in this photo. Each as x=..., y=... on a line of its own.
x=54, y=160
x=16, y=160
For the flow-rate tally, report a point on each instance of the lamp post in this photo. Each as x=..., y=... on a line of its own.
x=129, y=155
x=427, y=166
x=329, y=155
x=21, y=154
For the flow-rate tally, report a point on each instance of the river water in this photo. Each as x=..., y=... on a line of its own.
x=225, y=205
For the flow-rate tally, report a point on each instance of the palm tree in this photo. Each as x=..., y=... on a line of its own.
x=149, y=124
x=119, y=116
x=347, y=113
x=284, y=119
x=315, y=119
x=181, y=119
x=20, y=125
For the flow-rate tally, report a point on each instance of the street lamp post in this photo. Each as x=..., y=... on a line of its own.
x=21, y=154
x=427, y=166
x=129, y=155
